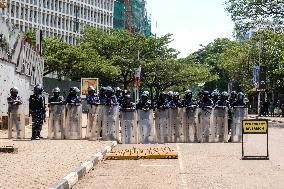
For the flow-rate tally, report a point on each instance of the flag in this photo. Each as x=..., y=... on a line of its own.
x=38, y=42
x=138, y=76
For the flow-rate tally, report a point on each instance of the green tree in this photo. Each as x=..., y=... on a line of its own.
x=248, y=14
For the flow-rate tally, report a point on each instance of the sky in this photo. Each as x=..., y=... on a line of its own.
x=192, y=22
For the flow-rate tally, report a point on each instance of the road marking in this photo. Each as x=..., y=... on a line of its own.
x=181, y=167
x=142, y=165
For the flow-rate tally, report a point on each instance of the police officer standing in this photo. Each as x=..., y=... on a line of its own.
x=128, y=105
x=144, y=102
x=233, y=97
x=37, y=110
x=175, y=102
x=162, y=103
x=110, y=99
x=73, y=98
x=56, y=99
x=188, y=102
x=223, y=101
x=119, y=96
x=92, y=97
x=215, y=96
x=205, y=102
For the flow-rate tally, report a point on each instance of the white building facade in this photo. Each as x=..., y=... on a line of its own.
x=64, y=19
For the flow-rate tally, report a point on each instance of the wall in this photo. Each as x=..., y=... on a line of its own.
x=8, y=79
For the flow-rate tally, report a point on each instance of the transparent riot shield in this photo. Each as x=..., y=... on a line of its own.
x=16, y=123
x=238, y=114
x=94, y=123
x=219, y=127
x=146, y=128
x=56, y=121
x=73, y=127
x=177, y=128
x=204, y=124
x=162, y=125
x=110, y=126
x=129, y=127
x=190, y=123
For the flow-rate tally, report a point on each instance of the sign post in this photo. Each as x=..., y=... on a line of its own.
x=87, y=82
x=255, y=126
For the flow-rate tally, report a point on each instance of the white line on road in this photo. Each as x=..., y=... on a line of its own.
x=183, y=178
x=142, y=165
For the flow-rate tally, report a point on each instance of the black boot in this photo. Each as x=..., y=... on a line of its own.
x=37, y=135
x=33, y=134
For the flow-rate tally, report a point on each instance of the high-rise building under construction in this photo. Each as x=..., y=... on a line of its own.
x=132, y=16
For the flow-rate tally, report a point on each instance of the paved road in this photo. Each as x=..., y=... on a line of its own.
x=199, y=166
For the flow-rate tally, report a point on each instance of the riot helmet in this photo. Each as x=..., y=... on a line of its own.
x=109, y=91
x=241, y=96
x=91, y=90
x=118, y=91
x=73, y=91
x=14, y=91
x=144, y=97
x=38, y=89
x=233, y=95
x=224, y=95
x=56, y=92
x=175, y=96
x=188, y=94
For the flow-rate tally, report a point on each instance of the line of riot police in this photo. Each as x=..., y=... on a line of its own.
x=113, y=115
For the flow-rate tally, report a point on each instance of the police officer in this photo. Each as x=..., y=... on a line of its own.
x=162, y=102
x=205, y=102
x=188, y=101
x=73, y=98
x=233, y=97
x=175, y=102
x=102, y=95
x=56, y=98
x=92, y=97
x=223, y=101
x=119, y=95
x=144, y=102
x=37, y=110
x=240, y=100
x=110, y=99
x=215, y=96
x=170, y=96
x=128, y=105
x=14, y=100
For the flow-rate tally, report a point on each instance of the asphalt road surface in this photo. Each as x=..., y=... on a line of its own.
x=199, y=166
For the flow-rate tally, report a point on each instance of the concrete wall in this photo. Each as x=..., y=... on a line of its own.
x=8, y=79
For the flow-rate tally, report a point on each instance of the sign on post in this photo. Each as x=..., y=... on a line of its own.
x=87, y=82
x=255, y=126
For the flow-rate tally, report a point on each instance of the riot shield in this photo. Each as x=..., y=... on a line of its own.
x=204, y=124
x=129, y=127
x=162, y=126
x=220, y=125
x=190, y=123
x=238, y=114
x=146, y=128
x=110, y=126
x=56, y=121
x=16, y=123
x=94, y=123
x=177, y=128
x=73, y=127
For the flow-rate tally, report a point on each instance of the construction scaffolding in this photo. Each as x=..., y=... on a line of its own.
x=132, y=16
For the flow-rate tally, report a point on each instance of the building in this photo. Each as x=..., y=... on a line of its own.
x=60, y=18
x=132, y=16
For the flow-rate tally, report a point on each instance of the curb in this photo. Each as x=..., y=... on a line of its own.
x=72, y=178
